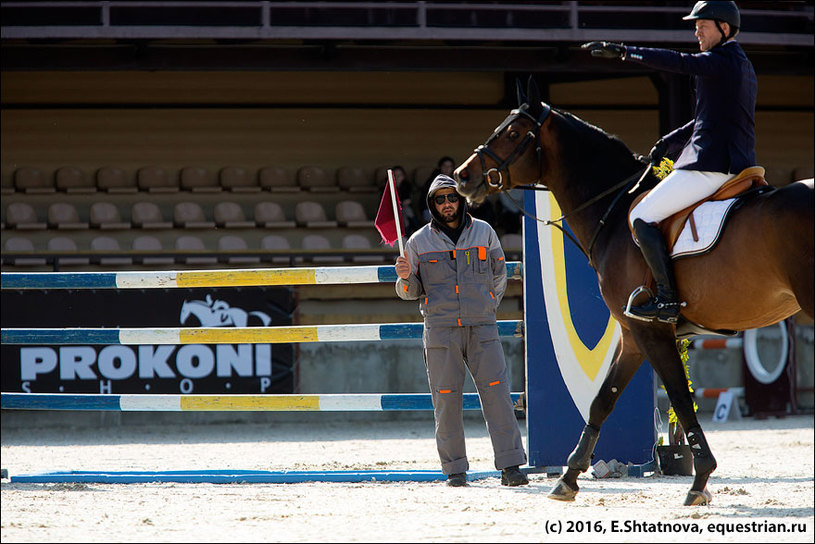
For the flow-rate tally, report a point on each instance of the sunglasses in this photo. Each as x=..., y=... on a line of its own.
x=452, y=198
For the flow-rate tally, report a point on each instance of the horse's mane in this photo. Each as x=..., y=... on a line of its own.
x=588, y=149
x=594, y=137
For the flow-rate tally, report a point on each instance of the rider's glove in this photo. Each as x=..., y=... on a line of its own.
x=606, y=50
x=658, y=151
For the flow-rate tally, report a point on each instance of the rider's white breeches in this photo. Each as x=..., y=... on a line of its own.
x=677, y=191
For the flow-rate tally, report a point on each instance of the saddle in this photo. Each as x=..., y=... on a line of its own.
x=672, y=226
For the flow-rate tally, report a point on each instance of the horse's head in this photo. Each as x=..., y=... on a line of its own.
x=511, y=156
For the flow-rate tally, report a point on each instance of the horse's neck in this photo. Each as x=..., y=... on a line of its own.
x=586, y=163
x=575, y=193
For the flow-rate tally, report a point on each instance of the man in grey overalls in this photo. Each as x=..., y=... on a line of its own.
x=455, y=266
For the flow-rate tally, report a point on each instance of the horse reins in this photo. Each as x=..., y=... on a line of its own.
x=622, y=187
x=533, y=135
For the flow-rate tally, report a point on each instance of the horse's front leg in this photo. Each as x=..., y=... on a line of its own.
x=658, y=343
x=627, y=360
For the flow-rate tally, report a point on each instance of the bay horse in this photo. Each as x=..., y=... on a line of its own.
x=760, y=273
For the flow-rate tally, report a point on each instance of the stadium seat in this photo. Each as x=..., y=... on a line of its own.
x=354, y=180
x=7, y=181
x=33, y=180
x=73, y=180
x=17, y=244
x=312, y=215
x=198, y=180
x=153, y=245
x=277, y=243
x=115, y=180
x=318, y=242
x=190, y=215
x=188, y=242
x=108, y=244
x=64, y=216
x=357, y=241
x=106, y=216
x=238, y=179
x=22, y=216
x=316, y=179
x=236, y=243
x=270, y=215
x=147, y=215
x=350, y=213
x=156, y=180
x=67, y=245
x=277, y=180
x=230, y=215
x=381, y=177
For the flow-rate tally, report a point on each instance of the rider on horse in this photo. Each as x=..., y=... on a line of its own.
x=716, y=145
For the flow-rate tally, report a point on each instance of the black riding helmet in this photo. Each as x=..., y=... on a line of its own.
x=718, y=12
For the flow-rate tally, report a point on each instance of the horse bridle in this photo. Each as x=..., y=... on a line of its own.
x=533, y=135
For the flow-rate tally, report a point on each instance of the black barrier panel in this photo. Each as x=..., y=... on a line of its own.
x=156, y=369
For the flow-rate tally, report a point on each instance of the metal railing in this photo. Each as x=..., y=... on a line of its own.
x=789, y=24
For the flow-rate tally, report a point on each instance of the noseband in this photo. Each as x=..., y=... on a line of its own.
x=532, y=136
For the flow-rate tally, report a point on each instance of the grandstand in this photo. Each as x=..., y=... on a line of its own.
x=207, y=115
x=183, y=135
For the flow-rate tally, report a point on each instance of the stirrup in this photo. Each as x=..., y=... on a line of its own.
x=673, y=319
x=636, y=292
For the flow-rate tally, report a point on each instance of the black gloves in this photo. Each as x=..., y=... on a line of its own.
x=606, y=50
x=658, y=151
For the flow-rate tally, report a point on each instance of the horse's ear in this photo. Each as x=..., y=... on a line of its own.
x=533, y=96
x=519, y=92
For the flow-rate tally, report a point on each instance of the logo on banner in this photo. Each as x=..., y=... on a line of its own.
x=217, y=313
x=582, y=367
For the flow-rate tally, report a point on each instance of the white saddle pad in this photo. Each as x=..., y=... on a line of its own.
x=709, y=218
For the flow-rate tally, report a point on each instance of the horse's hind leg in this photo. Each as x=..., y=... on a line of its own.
x=626, y=362
x=659, y=346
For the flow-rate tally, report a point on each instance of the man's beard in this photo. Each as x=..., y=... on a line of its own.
x=449, y=217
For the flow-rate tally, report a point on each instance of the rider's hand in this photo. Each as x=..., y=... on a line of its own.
x=606, y=50
x=403, y=267
x=658, y=151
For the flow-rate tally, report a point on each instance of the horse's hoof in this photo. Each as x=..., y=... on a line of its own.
x=698, y=498
x=562, y=492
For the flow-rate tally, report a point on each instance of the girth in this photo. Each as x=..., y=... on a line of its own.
x=672, y=226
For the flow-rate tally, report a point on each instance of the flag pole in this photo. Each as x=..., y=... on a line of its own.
x=396, y=213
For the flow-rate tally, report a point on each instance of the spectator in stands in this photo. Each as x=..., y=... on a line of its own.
x=716, y=145
x=445, y=166
x=404, y=188
x=460, y=328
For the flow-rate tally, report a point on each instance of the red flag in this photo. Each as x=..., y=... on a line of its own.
x=385, y=222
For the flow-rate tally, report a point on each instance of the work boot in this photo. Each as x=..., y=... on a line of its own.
x=512, y=476
x=664, y=306
x=459, y=479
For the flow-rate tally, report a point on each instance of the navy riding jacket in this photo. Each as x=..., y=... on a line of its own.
x=722, y=136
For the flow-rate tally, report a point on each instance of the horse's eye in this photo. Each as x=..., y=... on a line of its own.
x=513, y=134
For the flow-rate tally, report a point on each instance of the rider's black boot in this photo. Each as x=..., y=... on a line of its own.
x=664, y=306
